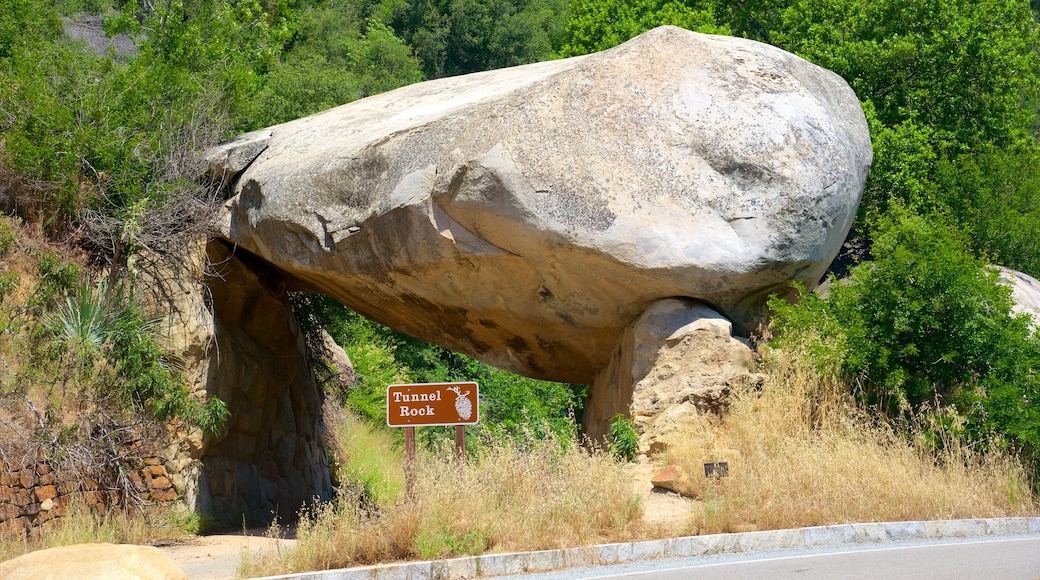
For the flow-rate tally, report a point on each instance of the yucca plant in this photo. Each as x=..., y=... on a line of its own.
x=88, y=317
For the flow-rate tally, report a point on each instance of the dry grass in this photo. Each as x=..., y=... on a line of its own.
x=801, y=453
x=81, y=526
x=540, y=495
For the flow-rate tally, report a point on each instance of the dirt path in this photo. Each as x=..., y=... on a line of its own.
x=663, y=511
x=217, y=557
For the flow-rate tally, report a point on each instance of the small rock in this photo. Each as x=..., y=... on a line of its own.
x=154, y=471
x=46, y=492
x=163, y=494
x=673, y=478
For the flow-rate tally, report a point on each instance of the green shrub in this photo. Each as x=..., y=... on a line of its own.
x=6, y=236
x=924, y=328
x=56, y=277
x=622, y=439
x=994, y=194
x=104, y=328
x=146, y=379
x=8, y=284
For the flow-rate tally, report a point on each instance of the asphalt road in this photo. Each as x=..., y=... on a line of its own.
x=1006, y=558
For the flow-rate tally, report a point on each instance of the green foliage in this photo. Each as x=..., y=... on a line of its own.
x=335, y=58
x=461, y=36
x=622, y=439
x=601, y=24
x=439, y=538
x=959, y=67
x=994, y=194
x=516, y=406
x=372, y=459
x=6, y=236
x=925, y=326
x=26, y=21
x=146, y=380
x=101, y=326
x=86, y=319
x=88, y=131
x=55, y=277
x=523, y=407
x=8, y=283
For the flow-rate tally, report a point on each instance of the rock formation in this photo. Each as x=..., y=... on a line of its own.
x=555, y=219
x=1025, y=291
x=244, y=346
x=527, y=216
x=109, y=561
x=679, y=358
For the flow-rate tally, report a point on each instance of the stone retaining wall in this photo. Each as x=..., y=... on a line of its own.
x=37, y=492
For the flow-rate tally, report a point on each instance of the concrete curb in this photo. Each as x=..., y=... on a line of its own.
x=489, y=565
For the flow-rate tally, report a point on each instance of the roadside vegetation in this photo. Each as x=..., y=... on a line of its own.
x=803, y=452
x=508, y=495
x=908, y=390
x=85, y=526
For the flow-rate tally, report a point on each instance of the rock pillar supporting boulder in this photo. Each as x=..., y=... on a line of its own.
x=678, y=358
x=271, y=457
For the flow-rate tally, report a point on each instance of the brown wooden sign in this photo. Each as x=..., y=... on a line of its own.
x=429, y=404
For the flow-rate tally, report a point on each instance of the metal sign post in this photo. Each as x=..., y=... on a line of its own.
x=428, y=405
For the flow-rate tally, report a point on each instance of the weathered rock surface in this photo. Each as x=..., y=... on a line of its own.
x=1025, y=291
x=93, y=562
x=340, y=370
x=673, y=478
x=271, y=459
x=527, y=216
x=676, y=360
x=239, y=341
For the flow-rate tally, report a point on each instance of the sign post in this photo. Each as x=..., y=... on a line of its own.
x=428, y=405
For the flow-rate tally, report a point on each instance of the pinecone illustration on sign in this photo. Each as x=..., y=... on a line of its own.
x=462, y=403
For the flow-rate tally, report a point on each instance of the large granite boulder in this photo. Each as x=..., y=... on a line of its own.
x=527, y=216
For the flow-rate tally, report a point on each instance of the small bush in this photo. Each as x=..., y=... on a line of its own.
x=147, y=380
x=927, y=326
x=6, y=236
x=119, y=358
x=8, y=284
x=623, y=441
x=56, y=277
